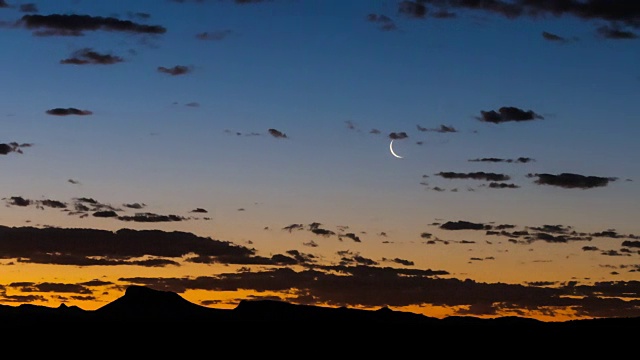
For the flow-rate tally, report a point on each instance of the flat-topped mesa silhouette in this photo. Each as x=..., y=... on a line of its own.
x=141, y=303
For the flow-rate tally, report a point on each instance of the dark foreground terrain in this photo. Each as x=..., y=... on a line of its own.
x=142, y=304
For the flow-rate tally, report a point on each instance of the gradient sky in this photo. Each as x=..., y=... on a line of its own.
x=230, y=150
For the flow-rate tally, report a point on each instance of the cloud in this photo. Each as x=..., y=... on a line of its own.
x=277, y=134
x=88, y=56
x=398, y=135
x=480, y=175
x=553, y=37
x=3, y=4
x=464, y=225
x=495, y=185
x=151, y=217
x=624, y=12
x=199, y=210
x=572, y=181
x=73, y=181
x=612, y=32
x=69, y=246
x=415, y=9
x=12, y=147
x=18, y=201
x=176, y=70
x=214, y=35
x=68, y=111
x=492, y=159
x=75, y=25
x=384, y=22
x=134, y=205
x=29, y=8
x=105, y=214
x=351, y=236
x=508, y=113
x=441, y=129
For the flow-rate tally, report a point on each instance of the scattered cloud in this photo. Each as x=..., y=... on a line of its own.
x=76, y=25
x=176, y=70
x=151, y=217
x=614, y=32
x=508, y=113
x=522, y=160
x=553, y=37
x=572, y=181
x=88, y=56
x=214, y=35
x=384, y=22
x=480, y=175
x=277, y=134
x=441, y=129
x=68, y=111
x=29, y=8
x=398, y=135
x=5, y=149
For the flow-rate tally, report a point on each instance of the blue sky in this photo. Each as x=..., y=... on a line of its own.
x=234, y=120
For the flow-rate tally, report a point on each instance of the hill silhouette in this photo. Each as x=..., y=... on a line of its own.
x=141, y=303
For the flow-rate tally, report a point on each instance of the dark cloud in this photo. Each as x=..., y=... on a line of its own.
x=134, y=205
x=192, y=104
x=176, y=70
x=88, y=56
x=292, y=227
x=352, y=236
x=572, y=181
x=214, y=35
x=495, y=160
x=481, y=175
x=374, y=131
x=3, y=4
x=87, y=247
x=199, y=210
x=507, y=113
x=18, y=201
x=414, y=9
x=151, y=217
x=68, y=111
x=398, y=135
x=75, y=25
x=384, y=22
x=277, y=134
x=105, y=214
x=5, y=149
x=464, y=225
x=241, y=2
x=74, y=182
x=495, y=185
x=615, y=11
x=53, y=204
x=441, y=129
x=612, y=32
x=553, y=37
x=29, y=8
x=138, y=15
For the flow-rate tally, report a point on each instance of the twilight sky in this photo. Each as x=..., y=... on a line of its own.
x=230, y=150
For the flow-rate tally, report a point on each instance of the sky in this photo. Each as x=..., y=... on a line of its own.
x=444, y=157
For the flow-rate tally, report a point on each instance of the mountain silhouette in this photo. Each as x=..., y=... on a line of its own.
x=141, y=303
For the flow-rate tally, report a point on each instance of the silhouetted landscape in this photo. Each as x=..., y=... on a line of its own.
x=143, y=304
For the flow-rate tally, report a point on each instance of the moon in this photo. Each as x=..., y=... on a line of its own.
x=392, y=152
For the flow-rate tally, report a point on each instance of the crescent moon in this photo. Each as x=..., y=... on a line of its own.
x=392, y=152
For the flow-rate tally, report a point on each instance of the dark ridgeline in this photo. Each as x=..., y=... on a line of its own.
x=140, y=303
